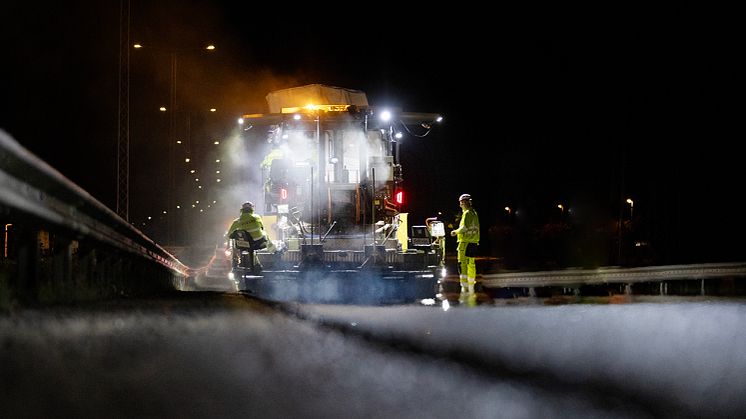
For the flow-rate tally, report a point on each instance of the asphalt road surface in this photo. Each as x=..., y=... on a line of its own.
x=226, y=355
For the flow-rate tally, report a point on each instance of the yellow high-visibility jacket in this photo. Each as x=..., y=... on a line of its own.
x=468, y=228
x=249, y=222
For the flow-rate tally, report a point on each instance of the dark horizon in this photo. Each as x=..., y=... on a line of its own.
x=582, y=107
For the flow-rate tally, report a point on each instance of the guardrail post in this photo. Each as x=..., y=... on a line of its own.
x=60, y=283
x=29, y=258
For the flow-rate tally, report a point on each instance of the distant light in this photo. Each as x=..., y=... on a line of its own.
x=334, y=160
x=214, y=202
x=217, y=180
x=196, y=179
x=217, y=171
x=196, y=202
x=137, y=46
x=398, y=135
x=210, y=47
x=439, y=119
x=187, y=160
x=201, y=210
x=192, y=171
x=385, y=116
x=178, y=141
x=240, y=121
x=199, y=187
x=178, y=207
x=216, y=142
x=213, y=109
x=217, y=160
x=150, y=218
x=162, y=109
x=296, y=117
x=165, y=212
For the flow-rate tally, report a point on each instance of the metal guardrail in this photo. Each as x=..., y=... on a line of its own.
x=35, y=198
x=576, y=277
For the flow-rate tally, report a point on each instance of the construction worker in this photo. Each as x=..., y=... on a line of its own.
x=468, y=239
x=253, y=227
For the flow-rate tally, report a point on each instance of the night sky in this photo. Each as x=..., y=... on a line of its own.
x=582, y=105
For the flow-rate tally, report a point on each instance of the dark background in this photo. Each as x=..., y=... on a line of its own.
x=582, y=105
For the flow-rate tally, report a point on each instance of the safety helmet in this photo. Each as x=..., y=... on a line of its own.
x=247, y=206
x=464, y=197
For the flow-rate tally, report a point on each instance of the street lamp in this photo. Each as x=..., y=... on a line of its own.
x=172, y=126
x=631, y=208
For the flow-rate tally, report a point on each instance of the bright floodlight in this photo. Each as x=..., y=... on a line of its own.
x=296, y=117
x=439, y=119
x=240, y=121
x=398, y=135
x=385, y=116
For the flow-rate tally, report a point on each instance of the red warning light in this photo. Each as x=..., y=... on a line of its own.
x=399, y=197
x=284, y=194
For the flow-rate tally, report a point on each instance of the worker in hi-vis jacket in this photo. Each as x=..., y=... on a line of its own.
x=467, y=235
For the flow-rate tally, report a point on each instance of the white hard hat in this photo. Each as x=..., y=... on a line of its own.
x=247, y=205
x=464, y=197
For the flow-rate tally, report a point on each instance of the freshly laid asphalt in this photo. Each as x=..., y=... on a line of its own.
x=212, y=354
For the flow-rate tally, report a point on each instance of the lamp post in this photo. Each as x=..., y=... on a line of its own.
x=631, y=208
x=170, y=201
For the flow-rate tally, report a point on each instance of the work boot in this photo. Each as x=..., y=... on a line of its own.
x=464, y=287
x=471, y=287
